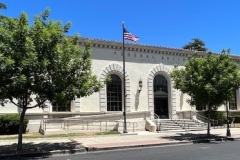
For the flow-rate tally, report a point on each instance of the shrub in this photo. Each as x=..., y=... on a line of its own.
x=9, y=124
x=217, y=115
x=107, y=132
x=236, y=120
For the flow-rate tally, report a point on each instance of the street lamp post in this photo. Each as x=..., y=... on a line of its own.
x=228, y=129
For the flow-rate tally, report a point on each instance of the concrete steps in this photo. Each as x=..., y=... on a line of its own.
x=179, y=125
x=192, y=125
x=168, y=125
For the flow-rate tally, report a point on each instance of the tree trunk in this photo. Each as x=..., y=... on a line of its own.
x=21, y=126
x=208, y=127
x=209, y=123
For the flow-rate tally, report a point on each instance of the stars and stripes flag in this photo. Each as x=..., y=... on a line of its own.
x=129, y=36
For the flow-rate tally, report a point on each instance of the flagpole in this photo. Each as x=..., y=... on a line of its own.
x=124, y=87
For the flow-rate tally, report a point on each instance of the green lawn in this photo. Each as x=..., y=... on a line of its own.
x=38, y=135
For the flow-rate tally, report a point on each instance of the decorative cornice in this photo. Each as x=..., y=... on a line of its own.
x=143, y=48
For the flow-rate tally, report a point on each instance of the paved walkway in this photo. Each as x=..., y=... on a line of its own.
x=81, y=144
x=147, y=138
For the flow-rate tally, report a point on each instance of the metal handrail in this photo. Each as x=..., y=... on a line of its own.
x=42, y=125
x=233, y=122
x=159, y=126
x=177, y=120
x=85, y=124
x=156, y=116
x=134, y=126
x=185, y=125
x=204, y=119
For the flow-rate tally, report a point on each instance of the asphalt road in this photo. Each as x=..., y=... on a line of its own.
x=207, y=151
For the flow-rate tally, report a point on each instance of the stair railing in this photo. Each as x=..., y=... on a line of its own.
x=177, y=120
x=186, y=126
x=202, y=118
x=159, y=127
x=67, y=124
x=157, y=122
x=156, y=116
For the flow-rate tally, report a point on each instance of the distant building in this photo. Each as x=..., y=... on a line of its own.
x=148, y=85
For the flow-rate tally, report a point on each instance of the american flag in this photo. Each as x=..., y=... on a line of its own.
x=127, y=35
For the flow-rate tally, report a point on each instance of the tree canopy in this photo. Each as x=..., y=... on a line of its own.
x=195, y=45
x=210, y=81
x=39, y=63
x=2, y=6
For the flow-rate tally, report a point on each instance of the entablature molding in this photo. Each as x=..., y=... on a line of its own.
x=141, y=48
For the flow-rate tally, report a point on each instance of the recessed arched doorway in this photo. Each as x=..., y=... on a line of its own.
x=161, y=96
x=114, y=93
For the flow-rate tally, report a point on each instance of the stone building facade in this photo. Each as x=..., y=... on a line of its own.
x=149, y=87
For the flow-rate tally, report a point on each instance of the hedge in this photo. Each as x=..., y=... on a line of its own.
x=9, y=124
x=217, y=115
x=236, y=120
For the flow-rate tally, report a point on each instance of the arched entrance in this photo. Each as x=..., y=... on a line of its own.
x=161, y=96
x=114, y=94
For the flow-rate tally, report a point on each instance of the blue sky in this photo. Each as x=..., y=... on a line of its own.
x=170, y=23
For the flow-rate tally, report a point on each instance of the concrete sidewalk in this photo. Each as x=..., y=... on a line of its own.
x=140, y=139
x=150, y=139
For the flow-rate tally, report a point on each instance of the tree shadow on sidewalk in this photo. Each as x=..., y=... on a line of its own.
x=192, y=137
x=43, y=150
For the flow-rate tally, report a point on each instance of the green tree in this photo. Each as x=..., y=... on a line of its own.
x=38, y=63
x=2, y=6
x=195, y=45
x=209, y=81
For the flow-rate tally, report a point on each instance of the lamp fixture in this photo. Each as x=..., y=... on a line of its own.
x=140, y=85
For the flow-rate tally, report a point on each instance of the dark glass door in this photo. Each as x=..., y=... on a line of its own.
x=161, y=107
x=160, y=96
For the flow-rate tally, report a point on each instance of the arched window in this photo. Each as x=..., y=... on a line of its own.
x=160, y=84
x=114, y=94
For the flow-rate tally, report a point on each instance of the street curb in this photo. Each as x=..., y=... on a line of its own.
x=93, y=149
x=42, y=154
x=209, y=140
x=70, y=151
x=87, y=149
